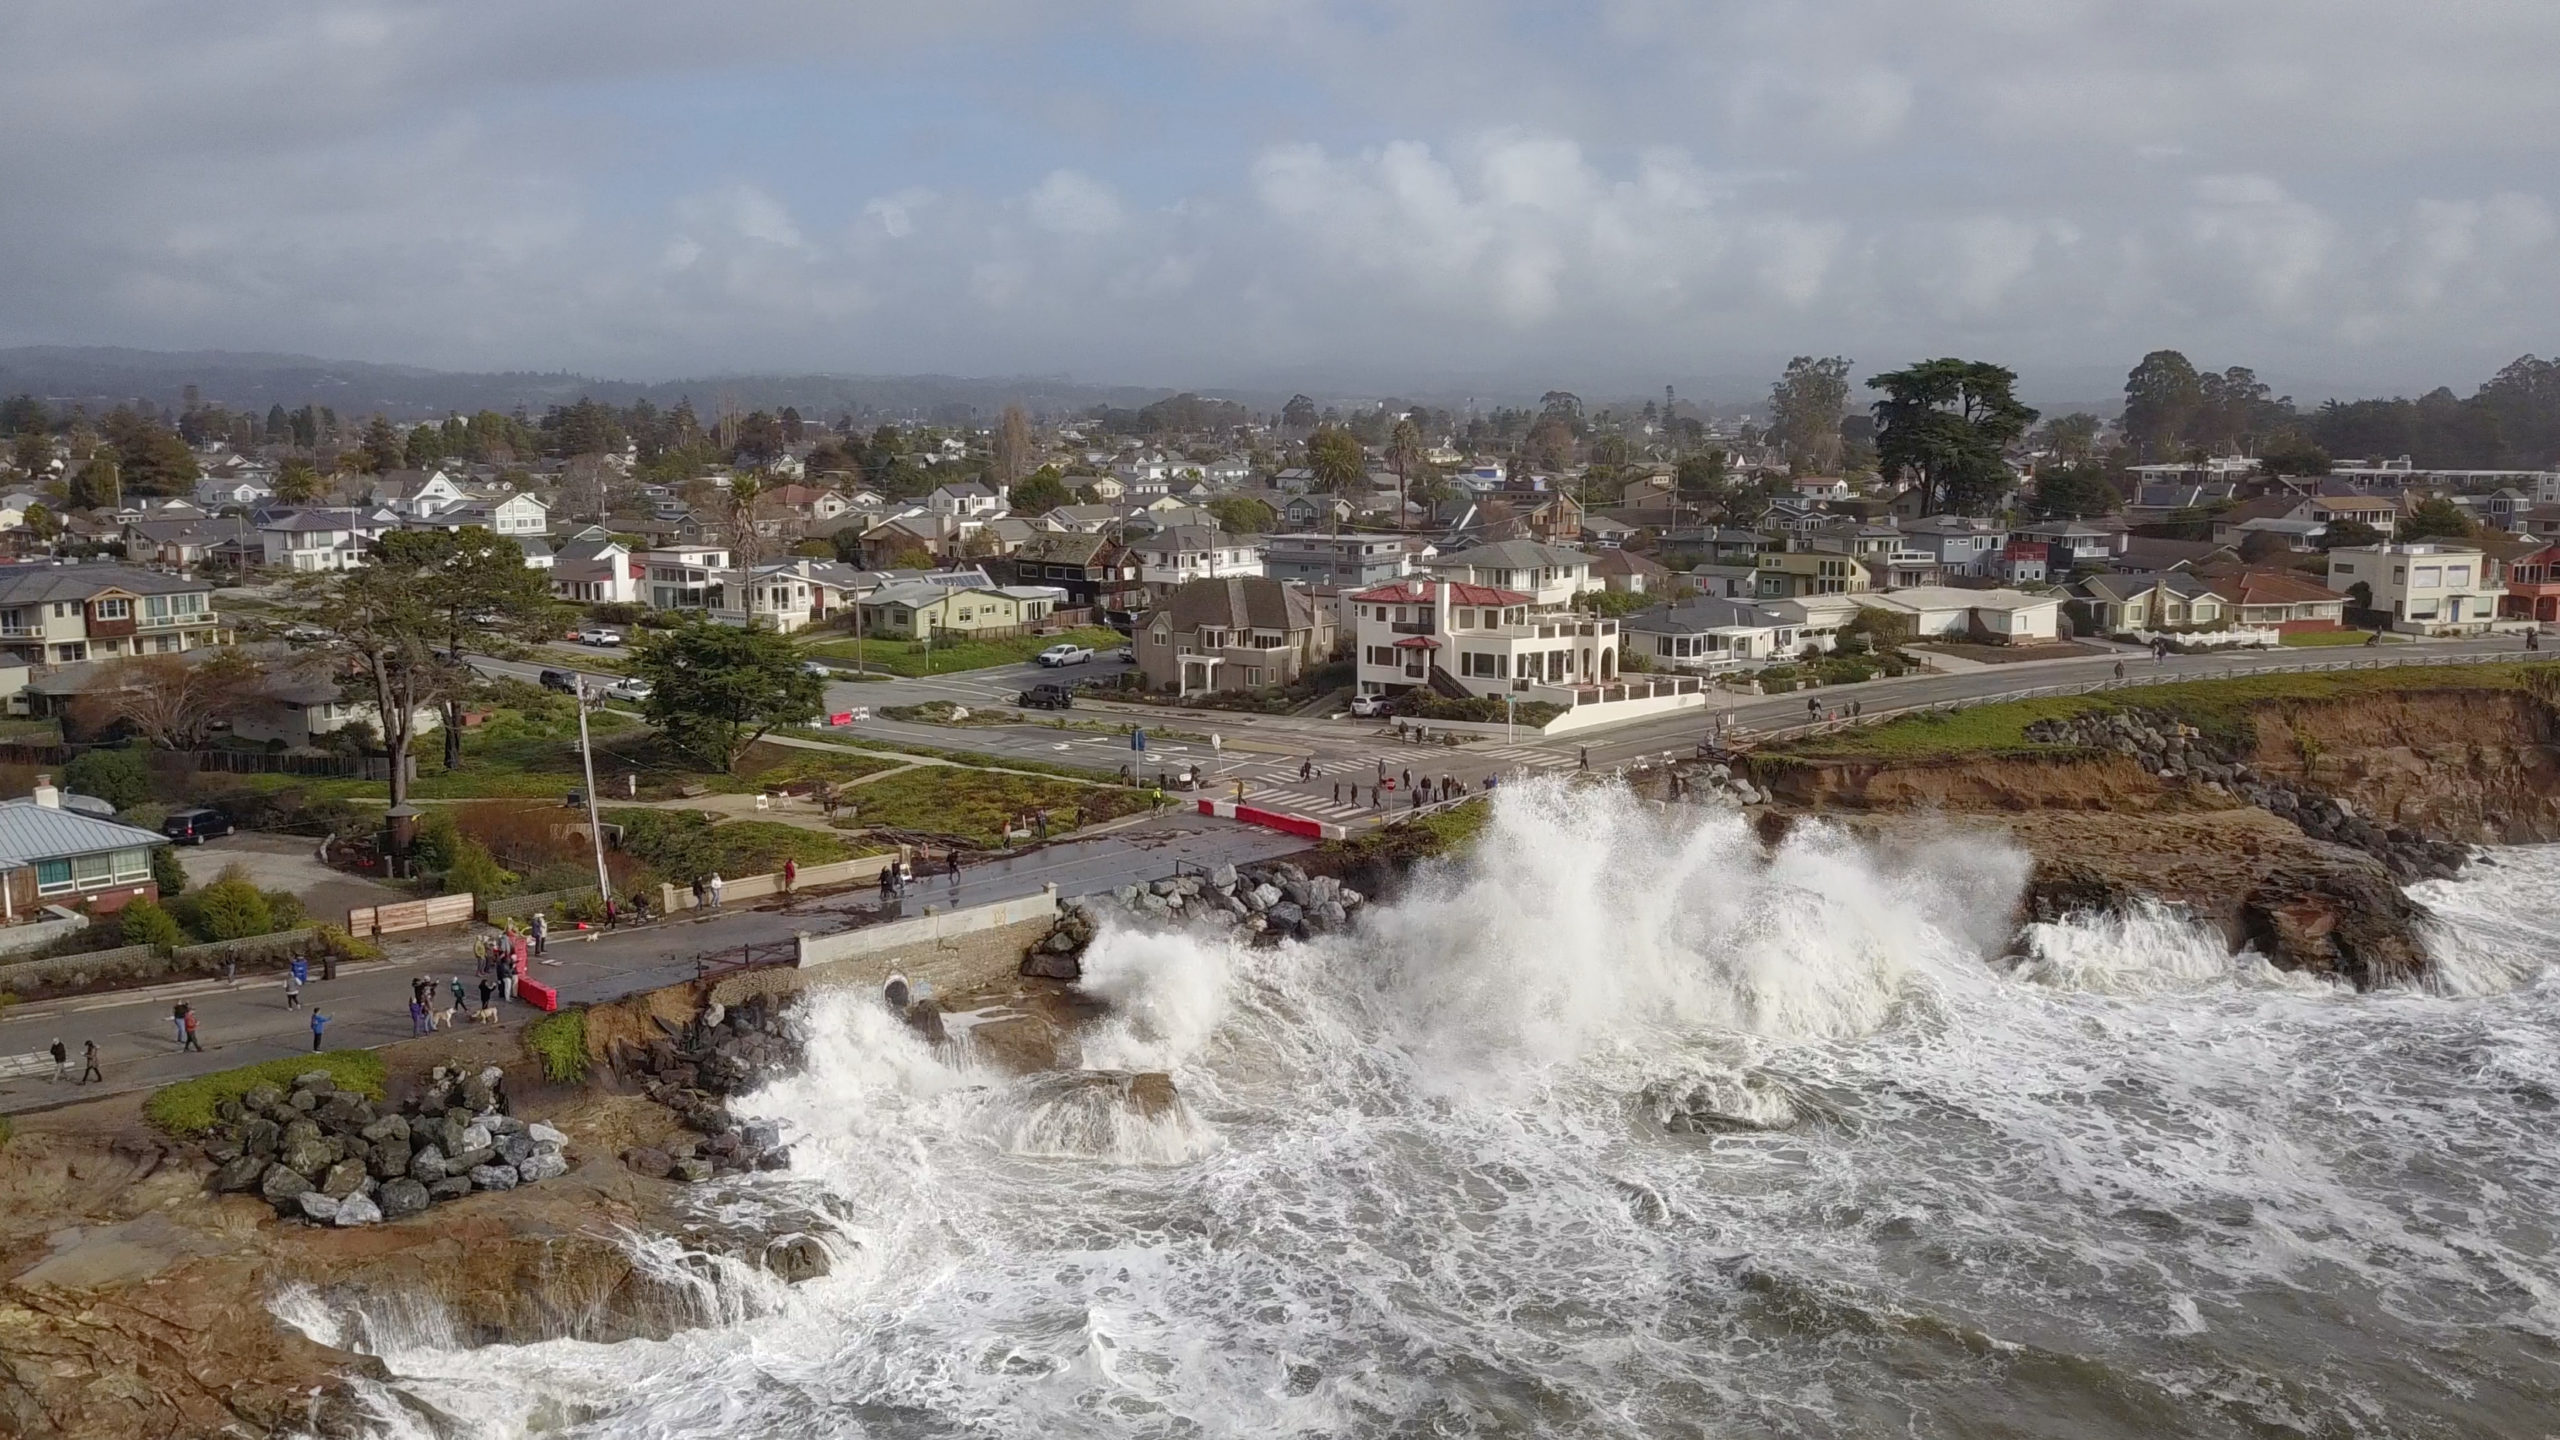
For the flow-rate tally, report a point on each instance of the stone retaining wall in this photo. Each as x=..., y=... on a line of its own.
x=130, y=962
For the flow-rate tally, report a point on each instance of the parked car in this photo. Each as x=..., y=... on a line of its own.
x=1047, y=695
x=1367, y=706
x=1065, y=655
x=819, y=668
x=559, y=680
x=1126, y=654
x=597, y=635
x=627, y=688
x=194, y=827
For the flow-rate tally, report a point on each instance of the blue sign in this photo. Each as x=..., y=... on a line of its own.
x=1138, y=739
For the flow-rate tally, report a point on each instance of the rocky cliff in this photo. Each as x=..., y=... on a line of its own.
x=2290, y=823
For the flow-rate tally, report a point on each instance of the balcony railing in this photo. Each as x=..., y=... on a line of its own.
x=20, y=632
x=1412, y=627
x=173, y=622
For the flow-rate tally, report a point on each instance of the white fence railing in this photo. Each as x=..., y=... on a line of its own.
x=2137, y=674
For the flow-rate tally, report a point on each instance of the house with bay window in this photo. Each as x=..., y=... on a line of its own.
x=2426, y=587
x=50, y=855
x=64, y=614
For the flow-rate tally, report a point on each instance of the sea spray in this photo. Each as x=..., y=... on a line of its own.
x=2108, y=1195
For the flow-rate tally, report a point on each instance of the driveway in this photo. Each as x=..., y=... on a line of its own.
x=285, y=862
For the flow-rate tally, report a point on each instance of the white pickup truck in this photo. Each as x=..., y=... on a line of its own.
x=1065, y=655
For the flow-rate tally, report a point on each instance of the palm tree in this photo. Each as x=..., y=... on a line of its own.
x=1336, y=459
x=1404, y=456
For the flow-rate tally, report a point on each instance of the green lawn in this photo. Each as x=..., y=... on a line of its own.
x=910, y=657
x=2221, y=707
x=186, y=1108
x=975, y=804
x=683, y=845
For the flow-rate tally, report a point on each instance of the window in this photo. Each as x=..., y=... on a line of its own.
x=2457, y=575
x=88, y=870
x=115, y=609
x=2429, y=576
x=133, y=864
x=52, y=875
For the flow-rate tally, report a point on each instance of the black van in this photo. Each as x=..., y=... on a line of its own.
x=559, y=680
x=1047, y=695
x=194, y=827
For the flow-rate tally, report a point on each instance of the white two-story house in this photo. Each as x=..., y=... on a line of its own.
x=1179, y=554
x=1550, y=575
x=62, y=615
x=320, y=539
x=1481, y=639
x=2426, y=587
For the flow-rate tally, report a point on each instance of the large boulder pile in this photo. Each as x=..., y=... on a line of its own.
x=1274, y=901
x=693, y=1069
x=2181, y=753
x=332, y=1157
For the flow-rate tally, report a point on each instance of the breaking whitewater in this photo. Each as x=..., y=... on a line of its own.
x=1631, y=1127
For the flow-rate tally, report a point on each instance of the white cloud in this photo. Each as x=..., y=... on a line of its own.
x=1069, y=202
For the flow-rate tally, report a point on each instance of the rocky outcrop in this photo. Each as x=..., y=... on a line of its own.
x=1273, y=902
x=2180, y=754
x=693, y=1069
x=330, y=1157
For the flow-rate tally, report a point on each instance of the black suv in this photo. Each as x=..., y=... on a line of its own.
x=194, y=827
x=559, y=680
x=1047, y=695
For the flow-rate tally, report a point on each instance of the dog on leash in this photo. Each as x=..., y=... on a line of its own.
x=488, y=1016
x=442, y=1019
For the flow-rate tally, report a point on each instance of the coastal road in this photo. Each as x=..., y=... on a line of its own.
x=367, y=1005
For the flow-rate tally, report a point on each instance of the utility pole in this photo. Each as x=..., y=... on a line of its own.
x=587, y=759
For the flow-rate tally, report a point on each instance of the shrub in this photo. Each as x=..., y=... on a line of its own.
x=559, y=1044
x=475, y=870
x=345, y=946
x=232, y=909
x=143, y=922
x=167, y=872
x=186, y=1108
x=119, y=777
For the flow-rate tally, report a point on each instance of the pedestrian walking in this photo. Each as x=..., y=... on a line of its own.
x=1812, y=708
x=1408, y=782
x=1857, y=708
x=191, y=1043
x=89, y=1063
x=61, y=1061
x=1306, y=770
x=230, y=970
x=701, y=894
x=790, y=875
x=1337, y=792
x=487, y=988
x=301, y=969
x=2119, y=669
x=457, y=992
x=1040, y=824
x=1585, y=762
x=541, y=931
x=417, y=1017
x=507, y=975
x=292, y=992
x=178, y=1024
x=715, y=885
x=319, y=1022
x=955, y=864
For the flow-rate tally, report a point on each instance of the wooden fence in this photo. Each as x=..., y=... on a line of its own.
x=411, y=915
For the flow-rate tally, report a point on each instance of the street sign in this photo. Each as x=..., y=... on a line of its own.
x=1138, y=739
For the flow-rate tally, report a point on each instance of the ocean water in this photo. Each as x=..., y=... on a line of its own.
x=1629, y=1128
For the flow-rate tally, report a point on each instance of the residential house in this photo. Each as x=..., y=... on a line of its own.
x=1819, y=487
x=1305, y=512
x=1623, y=572
x=1961, y=544
x=1788, y=574
x=64, y=614
x=307, y=539
x=1356, y=560
x=2302, y=537
x=416, y=494
x=808, y=502
x=2022, y=562
x=1474, y=639
x=1990, y=617
x=187, y=544
x=966, y=500
x=216, y=492
x=2073, y=544
x=2426, y=587
x=1901, y=568
x=1235, y=634
x=2162, y=601
x=1708, y=636
x=2142, y=553
x=53, y=855
x=1551, y=575
x=1600, y=532
x=2285, y=600
x=919, y=609
x=760, y=597
x=1092, y=570
x=680, y=577
x=596, y=569
x=925, y=532
x=1180, y=554
x=513, y=515
x=2533, y=585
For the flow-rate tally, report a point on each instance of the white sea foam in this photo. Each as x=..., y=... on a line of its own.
x=2134, y=1185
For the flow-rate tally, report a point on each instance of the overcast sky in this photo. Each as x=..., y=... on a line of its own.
x=2351, y=195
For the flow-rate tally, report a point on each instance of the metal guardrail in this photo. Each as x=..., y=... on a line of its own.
x=2131, y=681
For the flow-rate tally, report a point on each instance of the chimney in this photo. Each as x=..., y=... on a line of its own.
x=46, y=795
